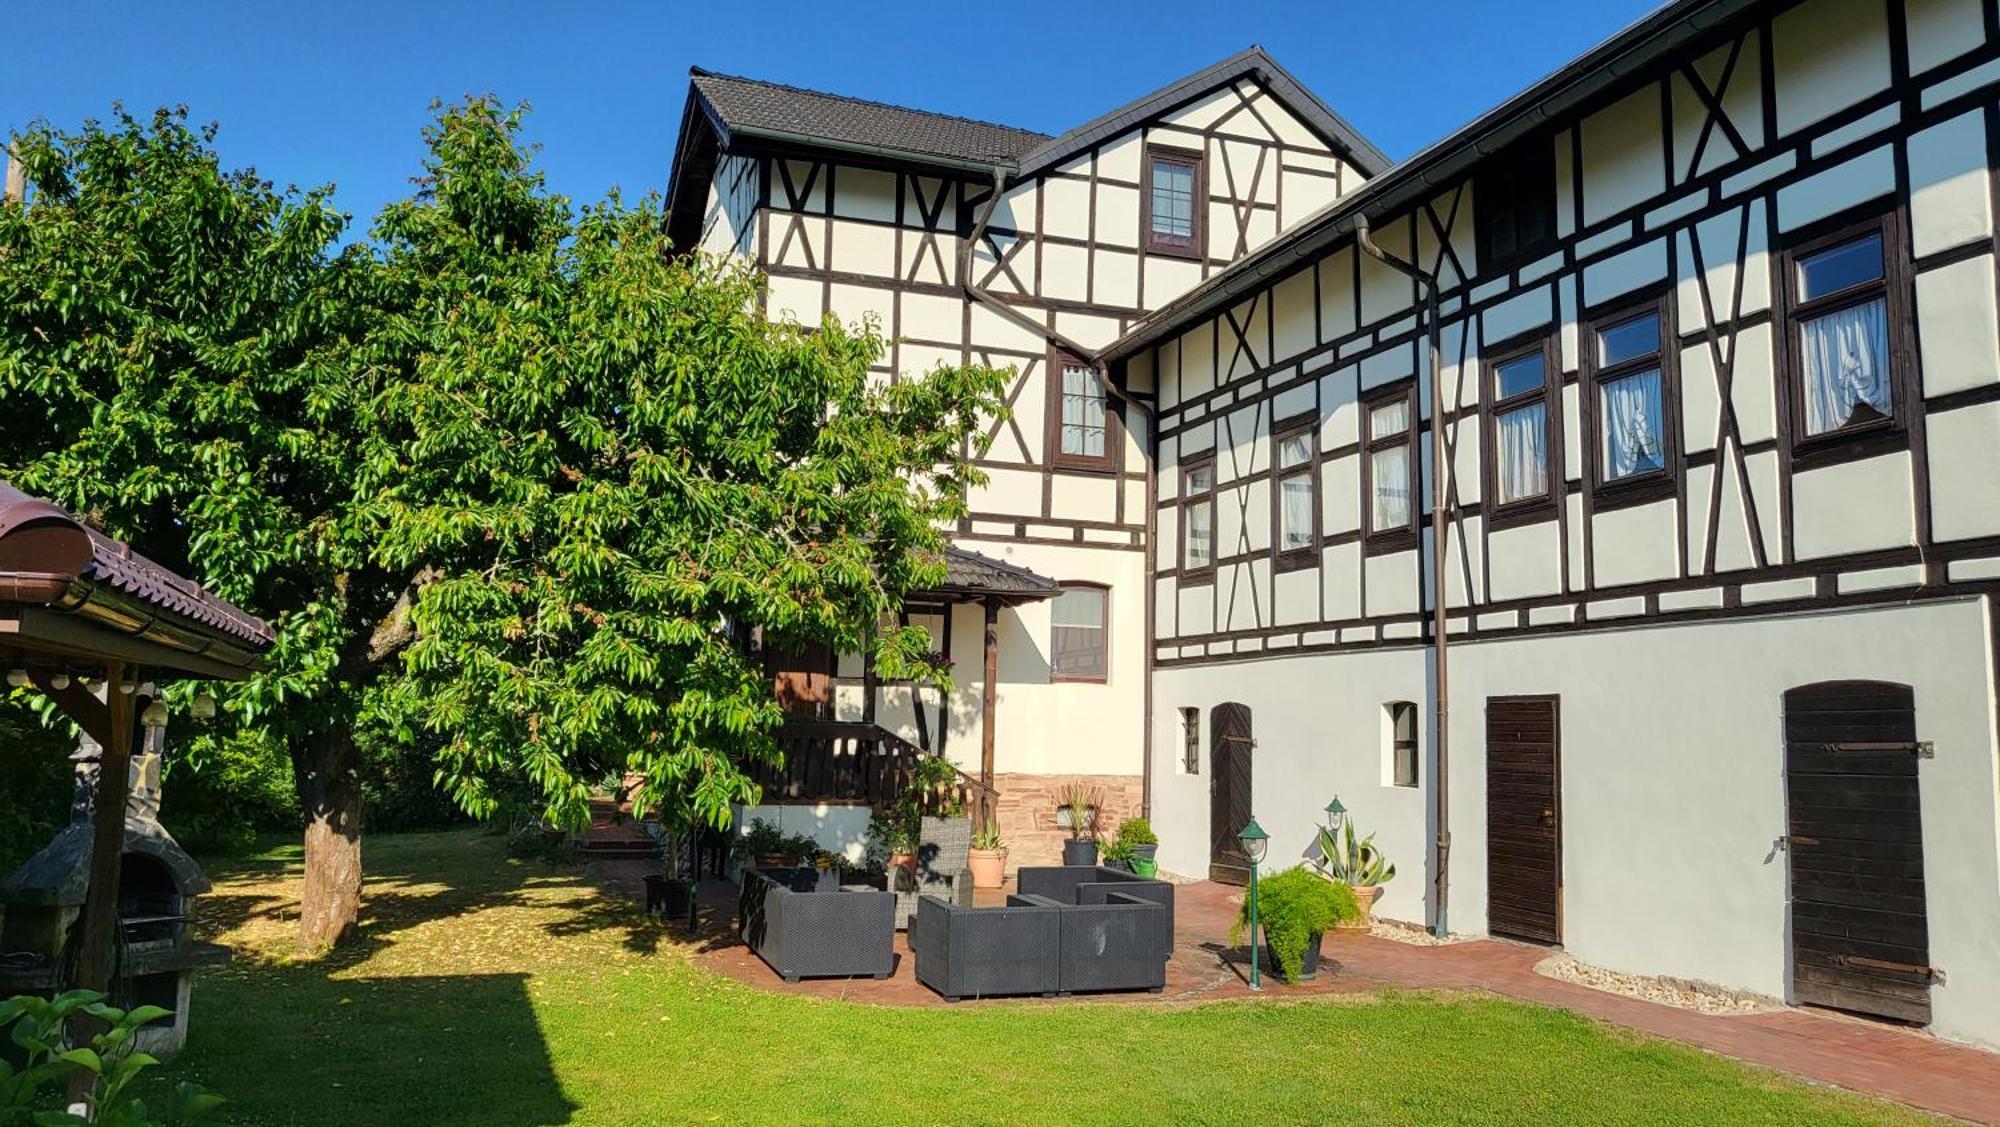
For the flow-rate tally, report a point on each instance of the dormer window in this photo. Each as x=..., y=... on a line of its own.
x=1172, y=199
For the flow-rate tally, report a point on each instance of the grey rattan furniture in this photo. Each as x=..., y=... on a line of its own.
x=803, y=932
x=943, y=868
x=1039, y=945
x=981, y=952
x=1090, y=884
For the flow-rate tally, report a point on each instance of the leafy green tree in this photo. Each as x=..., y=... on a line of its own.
x=174, y=363
x=515, y=484
x=618, y=474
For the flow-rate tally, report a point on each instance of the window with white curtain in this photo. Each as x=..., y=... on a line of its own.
x=1520, y=447
x=1840, y=308
x=1077, y=633
x=1083, y=435
x=1631, y=407
x=1297, y=499
x=1198, y=516
x=1390, y=442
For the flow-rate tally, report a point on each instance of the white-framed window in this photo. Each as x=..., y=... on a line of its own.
x=1399, y=743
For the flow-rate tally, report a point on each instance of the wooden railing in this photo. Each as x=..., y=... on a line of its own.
x=850, y=761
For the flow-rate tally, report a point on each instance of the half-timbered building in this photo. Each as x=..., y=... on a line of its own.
x=1603, y=503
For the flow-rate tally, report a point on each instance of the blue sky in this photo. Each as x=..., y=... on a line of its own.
x=337, y=92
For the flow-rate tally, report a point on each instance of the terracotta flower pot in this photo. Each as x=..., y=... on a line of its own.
x=1365, y=896
x=904, y=861
x=989, y=867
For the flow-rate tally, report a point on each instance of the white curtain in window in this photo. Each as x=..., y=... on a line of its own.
x=1296, y=497
x=1389, y=420
x=1846, y=365
x=1199, y=534
x=1632, y=438
x=1082, y=413
x=1390, y=473
x=1521, y=452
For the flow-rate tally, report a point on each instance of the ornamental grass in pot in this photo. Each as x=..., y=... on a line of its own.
x=1295, y=909
x=1082, y=803
x=1358, y=865
x=988, y=857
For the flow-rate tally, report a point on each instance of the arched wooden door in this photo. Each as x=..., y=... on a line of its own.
x=1860, y=931
x=1229, y=752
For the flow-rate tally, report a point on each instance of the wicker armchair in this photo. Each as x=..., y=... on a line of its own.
x=943, y=868
x=802, y=931
x=1088, y=884
x=983, y=952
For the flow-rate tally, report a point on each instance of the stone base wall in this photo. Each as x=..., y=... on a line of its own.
x=1027, y=812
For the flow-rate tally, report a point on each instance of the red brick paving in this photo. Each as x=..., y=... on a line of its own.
x=1867, y=1057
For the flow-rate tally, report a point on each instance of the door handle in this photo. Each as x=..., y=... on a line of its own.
x=1548, y=817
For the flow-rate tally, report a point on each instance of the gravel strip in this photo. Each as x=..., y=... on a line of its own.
x=1411, y=934
x=1702, y=997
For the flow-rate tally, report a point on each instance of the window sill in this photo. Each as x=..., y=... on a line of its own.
x=1298, y=559
x=1203, y=578
x=1529, y=510
x=1851, y=445
x=1627, y=492
x=1064, y=679
x=1395, y=540
x=1169, y=250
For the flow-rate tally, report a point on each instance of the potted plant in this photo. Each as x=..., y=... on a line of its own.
x=1137, y=835
x=1081, y=802
x=895, y=840
x=1295, y=909
x=1117, y=854
x=1358, y=865
x=988, y=858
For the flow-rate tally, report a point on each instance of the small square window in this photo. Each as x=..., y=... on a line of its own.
x=1629, y=340
x=1841, y=268
x=1518, y=376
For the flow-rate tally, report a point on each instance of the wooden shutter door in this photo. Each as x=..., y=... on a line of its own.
x=1523, y=819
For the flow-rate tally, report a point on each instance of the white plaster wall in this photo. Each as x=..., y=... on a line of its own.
x=1672, y=784
x=838, y=829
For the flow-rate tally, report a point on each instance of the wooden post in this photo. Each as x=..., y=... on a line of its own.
x=16, y=190
x=867, y=674
x=107, y=839
x=987, y=700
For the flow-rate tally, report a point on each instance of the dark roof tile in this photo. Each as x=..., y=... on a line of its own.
x=751, y=106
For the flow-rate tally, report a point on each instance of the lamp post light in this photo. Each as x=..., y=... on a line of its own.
x=1254, y=841
x=1336, y=815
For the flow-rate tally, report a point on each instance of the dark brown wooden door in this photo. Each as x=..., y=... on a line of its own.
x=1523, y=819
x=1229, y=751
x=1860, y=935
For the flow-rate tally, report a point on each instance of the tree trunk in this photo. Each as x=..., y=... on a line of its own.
x=330, y=792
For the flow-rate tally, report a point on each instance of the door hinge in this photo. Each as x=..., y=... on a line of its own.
x=1932, y=974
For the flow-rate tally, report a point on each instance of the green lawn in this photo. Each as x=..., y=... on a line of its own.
x=495, y=992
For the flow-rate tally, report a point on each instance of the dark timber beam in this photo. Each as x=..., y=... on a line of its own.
x=987, y=701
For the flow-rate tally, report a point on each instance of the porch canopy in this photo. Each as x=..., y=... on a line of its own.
x=974, y=578
x=76, y=604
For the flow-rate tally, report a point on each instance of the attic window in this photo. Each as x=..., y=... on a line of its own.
x=1173, y=202
x=1514, y=204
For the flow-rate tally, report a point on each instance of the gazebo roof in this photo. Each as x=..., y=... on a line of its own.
x=971, y=577
x=69, y=592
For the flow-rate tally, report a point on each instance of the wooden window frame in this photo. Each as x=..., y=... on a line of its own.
x=1114, y=435
x=1104, y=590
x=1509, y=167
x=1197, y=246
x=1396, y=744
x=1526, y=509
x=1652, y=485
x=1878, y=436
x=1404, y=537
x=1294, y=559
x=1205, y=573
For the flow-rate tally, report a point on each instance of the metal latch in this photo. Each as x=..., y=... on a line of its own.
x=1928, y=973
x=1922, y=749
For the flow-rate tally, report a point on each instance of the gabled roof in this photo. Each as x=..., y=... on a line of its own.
x=1441, y=164
x=1251, y=62
x=770, y=110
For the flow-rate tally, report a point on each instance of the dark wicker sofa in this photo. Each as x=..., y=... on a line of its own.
x=1090, y=884
x=1039, y=945
x=803, y=932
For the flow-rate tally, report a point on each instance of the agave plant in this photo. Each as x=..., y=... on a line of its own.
x=1353, y=862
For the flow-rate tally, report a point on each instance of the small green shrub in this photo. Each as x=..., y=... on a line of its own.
x=33, y=1090
x=987, y=836
x=1292, y=907
x=1118, y=850
x=764, y=839
x=1137, y=831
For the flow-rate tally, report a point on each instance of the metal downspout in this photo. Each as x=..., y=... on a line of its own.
x=1094, y=357
x=1441, y=728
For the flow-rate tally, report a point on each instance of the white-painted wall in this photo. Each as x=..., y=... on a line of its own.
x=1671, y=761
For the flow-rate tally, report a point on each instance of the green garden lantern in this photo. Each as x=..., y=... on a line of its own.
x=1336, y=815
x=1254, y=842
